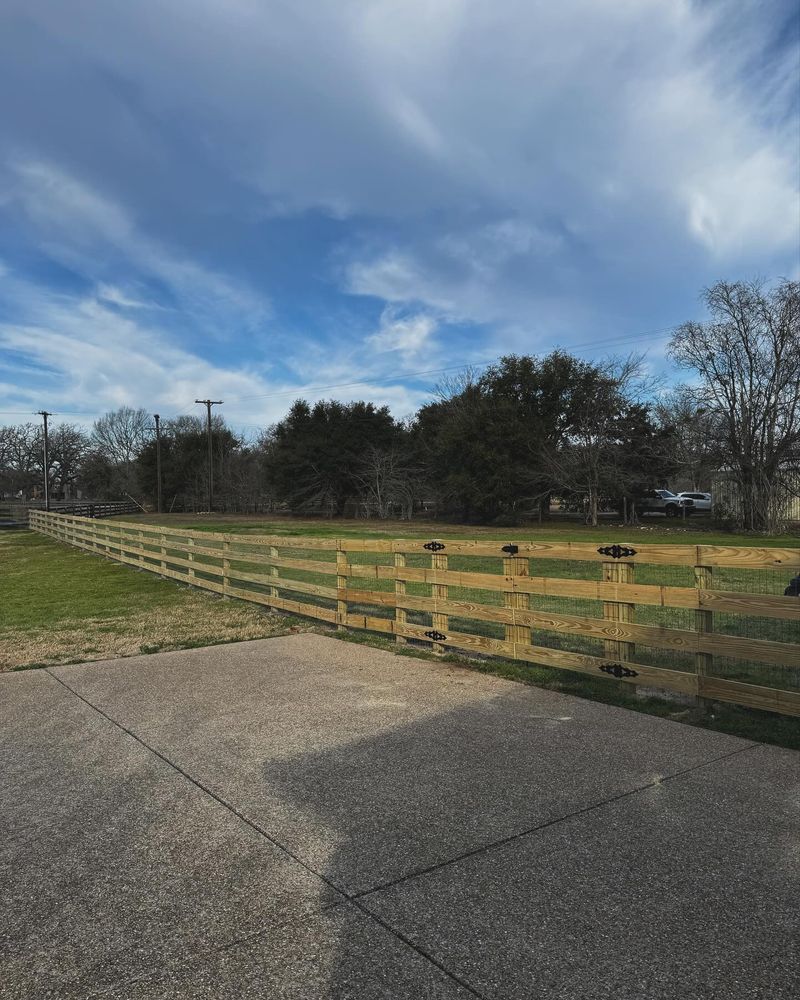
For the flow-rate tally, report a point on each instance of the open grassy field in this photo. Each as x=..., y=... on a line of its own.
x=695, y=530
x=61, y=605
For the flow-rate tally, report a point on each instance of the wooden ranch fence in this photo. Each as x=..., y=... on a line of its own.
x=704, y=620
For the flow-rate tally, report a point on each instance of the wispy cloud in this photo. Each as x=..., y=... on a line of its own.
x=275, y=195
x=405, y=334
x=92, y=233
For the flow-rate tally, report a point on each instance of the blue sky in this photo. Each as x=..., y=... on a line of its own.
x=248, y=198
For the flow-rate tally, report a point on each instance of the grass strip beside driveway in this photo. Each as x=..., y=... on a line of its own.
x=61, y=605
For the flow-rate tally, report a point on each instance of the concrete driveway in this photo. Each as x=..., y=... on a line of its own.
x=306, y=818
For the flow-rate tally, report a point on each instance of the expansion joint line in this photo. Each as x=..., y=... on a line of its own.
x=520, y=835
x=347, y=897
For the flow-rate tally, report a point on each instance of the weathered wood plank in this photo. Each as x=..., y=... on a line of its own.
x=763, y=650
x=671, y=680
x=748, y=557
x=455, y=578
x=295, y=607
x=516, y=599
x=547, y=586
x=754, y=605
x=381, y=597
x=752, y=695
x=267, y=580
x=674, y=680
x=310, y=565
x=439, y=621
x=371, y=571
x=367, y=544
x=341, y=586
x=458, y=608
x=616, y=611
x=284, y=541
x=274, y=572
x=371, y=624
x=703, y=620
x=461, y=640
x=400, y=592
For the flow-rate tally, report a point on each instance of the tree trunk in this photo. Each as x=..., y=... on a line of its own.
x=593, y=508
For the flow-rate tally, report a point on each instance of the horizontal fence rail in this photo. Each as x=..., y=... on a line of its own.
x=705, y=620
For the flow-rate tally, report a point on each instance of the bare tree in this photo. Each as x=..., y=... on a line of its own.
x=21, y=468
x=697, y=433
x=386, y=482
x=454, y=384
x=120, y=436
x=121, y=433
x=747, y=358
x=69, y=445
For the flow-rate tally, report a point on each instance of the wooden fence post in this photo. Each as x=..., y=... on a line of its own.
x=163, y=550
x=341, y=586
x=703, y=622
x=400, y=614
x=515, y=566
x=273, y=571
x=617, y=611
x=190, y=555
x=440, y=623
x=226, y=566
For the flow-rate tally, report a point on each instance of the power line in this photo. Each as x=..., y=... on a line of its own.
x=388, y=379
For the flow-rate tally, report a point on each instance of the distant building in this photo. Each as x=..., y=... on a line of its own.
x=725, y=493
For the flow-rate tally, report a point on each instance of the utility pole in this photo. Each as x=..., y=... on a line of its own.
x=157, y=419
x=208, y=403
x=45, y=414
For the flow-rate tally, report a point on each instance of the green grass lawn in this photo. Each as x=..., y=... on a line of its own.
x=693, y=531
x=59, y=605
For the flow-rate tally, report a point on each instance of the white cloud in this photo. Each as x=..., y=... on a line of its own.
x=84, y=229
x=411, y=107
x=532, y=166
x=77, y=353
x=116, y=297
x=394, y=277
x=406, y=335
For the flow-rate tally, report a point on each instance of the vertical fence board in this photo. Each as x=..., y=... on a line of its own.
x=515, y=566
x=400, y=614
x=704, y=622
x=273, y=571
x=341, y=586
x=226, y=566
x=439, y=623
x=615, y=572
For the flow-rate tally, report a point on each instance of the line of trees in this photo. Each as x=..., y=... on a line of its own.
x=491, y=447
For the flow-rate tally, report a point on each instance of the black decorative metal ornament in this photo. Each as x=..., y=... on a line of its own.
x=616, y=551
x=433, y=546
x=512, y=550
x=436, y=636
x=617, y=670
